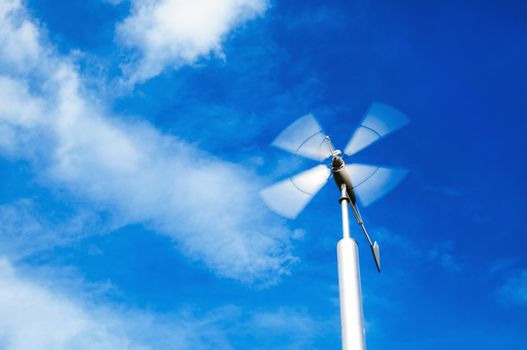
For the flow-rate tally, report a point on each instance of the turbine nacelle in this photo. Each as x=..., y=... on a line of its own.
x=342, y=177
x=339, y=171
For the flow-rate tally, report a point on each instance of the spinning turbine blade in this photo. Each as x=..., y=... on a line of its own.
x=304, y=137
x=372, y=182
x=379, y=122
x=289, y=197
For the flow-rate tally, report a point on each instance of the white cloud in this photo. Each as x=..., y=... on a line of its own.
x=208, y=206
x=33, y=317
x=36, y=316
x=39, y=312
x=514, y=290
x=128, y=169
x=18, y=35
x=299, y=328
x=170, y=33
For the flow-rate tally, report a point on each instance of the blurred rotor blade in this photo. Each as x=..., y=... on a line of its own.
x=289, y=197
x=372, y=182
x=304, y=137
x=379, y=122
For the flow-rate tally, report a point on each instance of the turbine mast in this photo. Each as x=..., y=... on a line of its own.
x=350, y=295
x=288, y=197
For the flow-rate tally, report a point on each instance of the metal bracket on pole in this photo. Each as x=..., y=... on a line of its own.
x=373, y=245
x=344, y=200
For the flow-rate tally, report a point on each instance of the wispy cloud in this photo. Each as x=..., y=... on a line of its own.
x=131, y=170
x=500, y=265
x=443, y=253
x=170, y=33
x=445, y=191
x=514, y=289
x=37, y=314
x=298, y=329
x=27, y=229
x=34, y=317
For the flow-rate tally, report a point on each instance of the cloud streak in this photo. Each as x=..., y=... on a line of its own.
x=514, y=290
x=443, y=253
x=35, y=314
x=26, y=229
x=131, y=170
x=41, y=319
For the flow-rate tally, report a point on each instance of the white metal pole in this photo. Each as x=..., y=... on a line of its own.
x=352, y=328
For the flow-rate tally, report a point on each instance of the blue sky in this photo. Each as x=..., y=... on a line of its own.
x=135, y=137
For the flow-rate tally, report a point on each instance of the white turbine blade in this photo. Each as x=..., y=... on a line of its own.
x=379, y=122
x=372, y=182
x=289, y=197
x=304, y=137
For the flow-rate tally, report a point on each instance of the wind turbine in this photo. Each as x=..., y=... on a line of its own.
x=368, y=183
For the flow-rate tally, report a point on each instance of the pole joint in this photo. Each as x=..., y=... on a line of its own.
x=344, y=194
